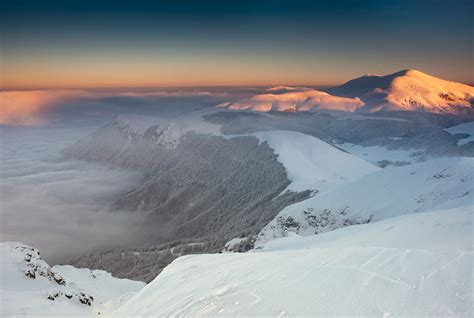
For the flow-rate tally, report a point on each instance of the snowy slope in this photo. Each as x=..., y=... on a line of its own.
x=293, y=100
x=435, y=184
x=311, y=163
x=408, y=90
x=441, y=230
x=30, y=287
x=382, y=155
x=466, y=128
x=360, y=270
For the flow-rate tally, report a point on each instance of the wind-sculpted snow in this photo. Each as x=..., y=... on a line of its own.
x=412, y=265
x=30, y=287
x=434, y=184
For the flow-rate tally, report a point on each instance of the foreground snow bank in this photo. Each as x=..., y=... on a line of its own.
x=428, y=272
x=30, y=287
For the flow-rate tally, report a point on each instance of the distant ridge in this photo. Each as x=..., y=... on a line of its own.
x=409, y=90
x=294, y=100
x=406, y=90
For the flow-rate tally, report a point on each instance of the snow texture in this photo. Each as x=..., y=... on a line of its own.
x=411, y=265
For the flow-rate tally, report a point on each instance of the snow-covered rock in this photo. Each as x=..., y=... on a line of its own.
x=435, y=184
x=442, y=230
x=412, y=265
x=238, y=245
x=30, y=287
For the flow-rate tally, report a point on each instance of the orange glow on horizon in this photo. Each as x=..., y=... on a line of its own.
x=59, y=80
x=116, y=71
x=26, y=107
x=103, y=69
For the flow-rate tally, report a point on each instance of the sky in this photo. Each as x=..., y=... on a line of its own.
x=92, y=44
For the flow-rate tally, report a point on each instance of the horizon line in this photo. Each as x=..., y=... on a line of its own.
x=31, y=88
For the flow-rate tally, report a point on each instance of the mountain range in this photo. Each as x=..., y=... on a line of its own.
x=407, y=90
x=354, y=200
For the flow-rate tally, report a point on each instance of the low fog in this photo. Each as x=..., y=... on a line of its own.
x=65, y=207
x=62, y=207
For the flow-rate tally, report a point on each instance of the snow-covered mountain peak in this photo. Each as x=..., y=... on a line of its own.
x=382, y=81
x=413, y=72
x=406, y=90
x=409, y=90
x=419, y=91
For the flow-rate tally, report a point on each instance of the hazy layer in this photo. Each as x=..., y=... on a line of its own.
x=60, y=206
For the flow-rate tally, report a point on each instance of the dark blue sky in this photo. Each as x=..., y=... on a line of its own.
x=146, y=43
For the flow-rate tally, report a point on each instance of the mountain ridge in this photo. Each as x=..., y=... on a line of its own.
x=409, y=90
x=405, y=90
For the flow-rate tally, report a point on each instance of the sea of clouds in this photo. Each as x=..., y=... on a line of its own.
x=65, y=207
